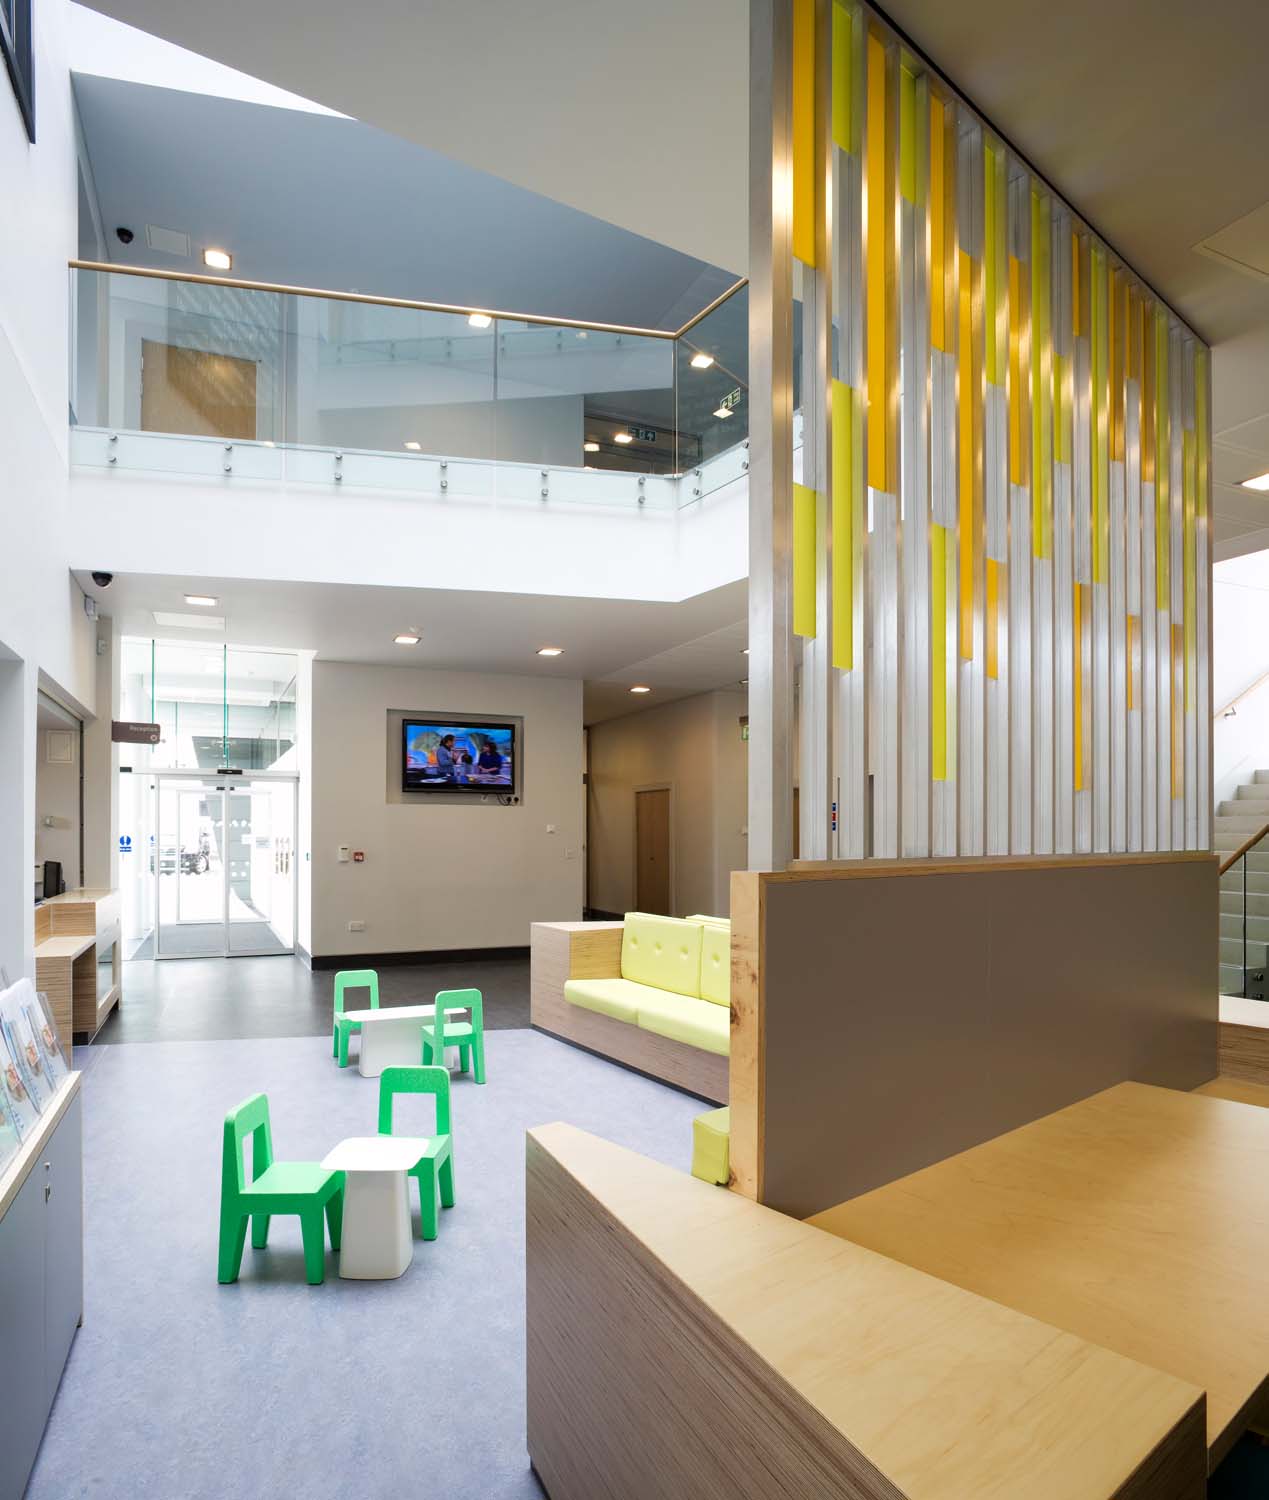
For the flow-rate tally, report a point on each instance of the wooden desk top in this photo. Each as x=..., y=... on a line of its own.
x=947, y=1395
x=80, y=897
x=70, y=946
x=1137, y=1219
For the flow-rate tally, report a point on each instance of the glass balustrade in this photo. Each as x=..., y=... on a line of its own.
x=264, y=384
x=1244, y=921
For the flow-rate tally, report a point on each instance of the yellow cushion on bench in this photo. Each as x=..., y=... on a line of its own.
x=711, y=1140
x=698, y=1023
x=716, y=964
x=664, y=952
x=618, y=998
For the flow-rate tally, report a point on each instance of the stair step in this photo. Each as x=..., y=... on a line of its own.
x=1232, y=926
x=1231, y=980
x=1231, y=952
x=1260, y=775
x=1246, y=807
x=1252, y=791
x=1232, y=899
x=1257, y=882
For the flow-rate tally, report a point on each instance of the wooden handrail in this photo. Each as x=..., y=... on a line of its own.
x=1238, y=853
x=1231, y=707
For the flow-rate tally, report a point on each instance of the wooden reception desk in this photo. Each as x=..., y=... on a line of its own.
x=73, y=934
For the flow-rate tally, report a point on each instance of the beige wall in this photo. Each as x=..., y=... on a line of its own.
x=57, y=797
x=445, y=874
x=694, y=747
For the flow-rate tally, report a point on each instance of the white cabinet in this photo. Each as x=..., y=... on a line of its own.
x=41, y=1279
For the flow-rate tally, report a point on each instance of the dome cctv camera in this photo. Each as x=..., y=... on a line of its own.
x=103, y=580
x=126, y=236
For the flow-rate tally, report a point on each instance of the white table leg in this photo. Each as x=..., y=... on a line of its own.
x=388, y=1044
x=377, y=1243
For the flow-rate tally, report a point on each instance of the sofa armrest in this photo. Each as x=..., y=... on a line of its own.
x=559, y=951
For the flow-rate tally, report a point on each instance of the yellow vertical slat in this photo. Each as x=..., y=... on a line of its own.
x=1041, y=382
x=804, y=174
x=993, y=617
x=844, y=421
x=938, y=651
x=907, y=135
x=991, y=266
x=1016, y=472
x=965, y=454
x=938, y=225
x=880, y=273
x=1189, y=564
x=804, y=529
x=1100, y=445
x=1079, y=623
x=1147, y=392
x=1163, y=467
x=843, y=78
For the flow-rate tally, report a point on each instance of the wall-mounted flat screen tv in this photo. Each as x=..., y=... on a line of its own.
x=445, y=757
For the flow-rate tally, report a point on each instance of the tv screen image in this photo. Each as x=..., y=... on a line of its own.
x=457, y=757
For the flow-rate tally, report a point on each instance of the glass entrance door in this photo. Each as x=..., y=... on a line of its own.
x=225, y=871
x=261, y=844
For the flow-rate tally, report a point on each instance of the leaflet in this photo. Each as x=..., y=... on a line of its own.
x=21, y=1110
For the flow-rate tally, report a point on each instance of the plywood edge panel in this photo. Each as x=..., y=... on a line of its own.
x=745, y=1094
x=687, y=1341
x=856, y=869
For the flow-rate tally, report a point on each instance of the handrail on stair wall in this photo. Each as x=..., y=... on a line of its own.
x=1231, y=708
x=1238, y=853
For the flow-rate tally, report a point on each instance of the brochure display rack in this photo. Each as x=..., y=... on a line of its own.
x=41, y=1223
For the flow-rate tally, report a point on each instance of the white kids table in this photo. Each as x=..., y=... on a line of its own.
x=391, y=1036
x=376, y=1241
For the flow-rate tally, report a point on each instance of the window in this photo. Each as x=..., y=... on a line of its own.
x=15, y=42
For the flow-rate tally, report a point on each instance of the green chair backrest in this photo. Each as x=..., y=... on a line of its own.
x=356, y=979
x=250, y=1118
x=471, y=1000
x=418, y=1080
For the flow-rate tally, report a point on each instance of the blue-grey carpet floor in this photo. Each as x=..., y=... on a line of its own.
x=178, y=1388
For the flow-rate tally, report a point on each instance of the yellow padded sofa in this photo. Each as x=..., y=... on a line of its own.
x=675, y=980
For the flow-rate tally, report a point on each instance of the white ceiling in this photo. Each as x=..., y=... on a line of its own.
x=318, y=200
x=676, y=649
x=638, y=115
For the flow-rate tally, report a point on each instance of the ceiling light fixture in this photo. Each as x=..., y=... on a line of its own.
x=623, y=437
x=590, y=447
x=700, y=360
x=640, y=688
x=1256, y=482
x=413, y=446
x=550, y=650
x=218, y=260
x=480, y=320
x=722, y=413
x=205, y=600
x=406, y=638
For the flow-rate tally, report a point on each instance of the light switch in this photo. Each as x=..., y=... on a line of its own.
x=343, y=854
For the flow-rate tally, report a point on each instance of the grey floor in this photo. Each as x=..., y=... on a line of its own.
x=179, y=1389
x=218, y=999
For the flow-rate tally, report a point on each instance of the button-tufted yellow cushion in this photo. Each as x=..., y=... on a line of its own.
x=716, y=964
x=664, y=952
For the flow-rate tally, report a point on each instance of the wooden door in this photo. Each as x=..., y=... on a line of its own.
x=652, y=851
x=188, y=390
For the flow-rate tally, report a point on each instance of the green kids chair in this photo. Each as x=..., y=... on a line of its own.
x=467, y=1036
x=275, y=1187
x=435, y=1167
x=350, y=979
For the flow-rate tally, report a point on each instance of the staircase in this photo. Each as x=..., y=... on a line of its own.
x=1237, y=821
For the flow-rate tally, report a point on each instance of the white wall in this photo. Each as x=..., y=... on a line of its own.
x=1240, y=655
x=694, y=746
x=440, y=875
x=42, y=625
